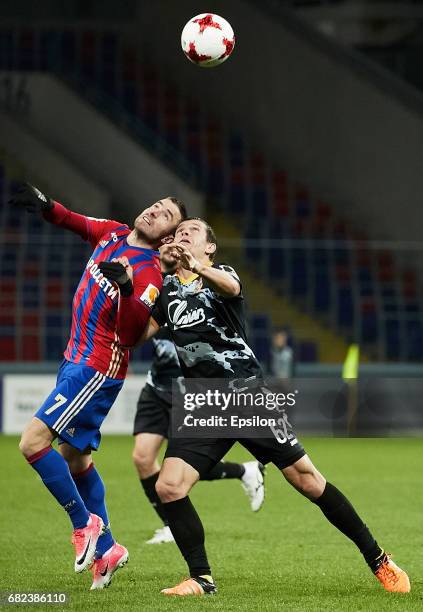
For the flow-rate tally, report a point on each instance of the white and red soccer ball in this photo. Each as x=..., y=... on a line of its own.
x=207, y=40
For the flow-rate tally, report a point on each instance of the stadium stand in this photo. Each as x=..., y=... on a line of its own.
x=292, y=238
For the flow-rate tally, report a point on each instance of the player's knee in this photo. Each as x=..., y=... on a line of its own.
x=311, y=485
x=170, y=490
x=28, y=446
x=24, y=446
x=143, y=461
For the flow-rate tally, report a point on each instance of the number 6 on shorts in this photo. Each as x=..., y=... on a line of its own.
x=60, y=400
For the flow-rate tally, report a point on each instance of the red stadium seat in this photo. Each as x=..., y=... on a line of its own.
x=30, y=347
x=7, y=348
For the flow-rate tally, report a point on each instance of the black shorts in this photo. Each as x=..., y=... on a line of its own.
x=203, y=453
x=153, y=412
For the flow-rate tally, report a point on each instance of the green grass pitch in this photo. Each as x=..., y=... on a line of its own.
x=286, y=557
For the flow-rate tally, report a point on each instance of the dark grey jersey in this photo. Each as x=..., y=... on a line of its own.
x=207, y=329
x=165, y=365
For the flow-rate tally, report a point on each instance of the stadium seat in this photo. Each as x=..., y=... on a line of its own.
x=54, y=347
x=307, y=352
x=414, y=339
x=7, y=346
x=330, y=278
x=26, y=50
x=30, y=347
x=321, y=291
x=369, y=322
x=392, y=340
x=345, y=306
x=260, y=337
x=298, y=272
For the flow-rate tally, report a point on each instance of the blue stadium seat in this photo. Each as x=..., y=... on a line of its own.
x=237, y=199
x=307, y=351
x=7, y=49
x=215, y=181
x=260, y=337
x=50, y=49
x=414, y=339
x=389, y=299
x=260, y=201
x=26, y=50
x=345, y=306
x=68, y=50
x=369, y=323
x=392, y=339
x=298, y=273
x=321, y=291
x=130, y=98
x=54, y=347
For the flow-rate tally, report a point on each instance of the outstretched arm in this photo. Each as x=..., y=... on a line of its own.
x=34, y=201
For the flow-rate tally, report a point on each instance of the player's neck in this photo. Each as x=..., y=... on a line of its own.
x=188, y=274
x=136, y=240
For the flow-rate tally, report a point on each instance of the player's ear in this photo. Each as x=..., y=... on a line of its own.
x=211, y=248
x=168, y=239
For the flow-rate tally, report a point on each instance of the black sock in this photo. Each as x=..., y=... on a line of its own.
x=188, y=531
x=339, y=511
x=149, y=486
x=224, y=469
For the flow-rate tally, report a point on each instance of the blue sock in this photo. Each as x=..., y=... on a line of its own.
x=92, y=491
x=55, y=474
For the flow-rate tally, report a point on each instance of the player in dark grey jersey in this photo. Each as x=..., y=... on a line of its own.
x=151, y=429
x=202, y=305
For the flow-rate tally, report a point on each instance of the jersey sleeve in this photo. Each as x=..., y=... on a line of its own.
x=158, y=312
x=232, y=272
x=134, y=311
x=89, y=228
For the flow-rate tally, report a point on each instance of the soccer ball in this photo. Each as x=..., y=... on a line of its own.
x=207, y=40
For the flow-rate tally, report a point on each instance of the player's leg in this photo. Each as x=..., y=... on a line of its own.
x=340, y=512
x=151, y=426
x=284, y=450
x=145, y=453
x=109, y=555
x=185, y=461
x=35, y=445
x=91, y=488
x=251, y=475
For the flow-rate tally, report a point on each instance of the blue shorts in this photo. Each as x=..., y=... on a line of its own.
x=79, y=404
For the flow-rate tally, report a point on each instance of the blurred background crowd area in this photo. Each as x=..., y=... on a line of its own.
x=303, y=151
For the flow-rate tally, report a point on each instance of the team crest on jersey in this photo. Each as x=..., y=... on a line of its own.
x=182, y=318
x=150, y=295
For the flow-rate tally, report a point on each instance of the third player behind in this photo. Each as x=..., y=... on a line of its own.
x=151, y=429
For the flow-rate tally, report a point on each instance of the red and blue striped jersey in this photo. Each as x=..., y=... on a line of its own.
x=96, y=325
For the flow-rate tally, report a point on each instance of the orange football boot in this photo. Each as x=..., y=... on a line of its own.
x=392, y=577
x=201, y=585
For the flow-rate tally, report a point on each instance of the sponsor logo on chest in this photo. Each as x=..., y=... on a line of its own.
x=101, y=280
x=180, y=316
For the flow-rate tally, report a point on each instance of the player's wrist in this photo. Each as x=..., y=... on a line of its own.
x=198, y=267
x=126, y=288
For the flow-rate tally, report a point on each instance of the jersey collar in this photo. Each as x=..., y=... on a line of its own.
x=193, y=276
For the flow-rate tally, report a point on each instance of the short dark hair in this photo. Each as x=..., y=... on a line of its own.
x=181, y=207
x=210, y=235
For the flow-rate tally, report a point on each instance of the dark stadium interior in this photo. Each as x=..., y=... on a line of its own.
x=331, y=241
x=304, y=153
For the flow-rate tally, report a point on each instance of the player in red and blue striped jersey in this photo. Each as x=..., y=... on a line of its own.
x=95, y=364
